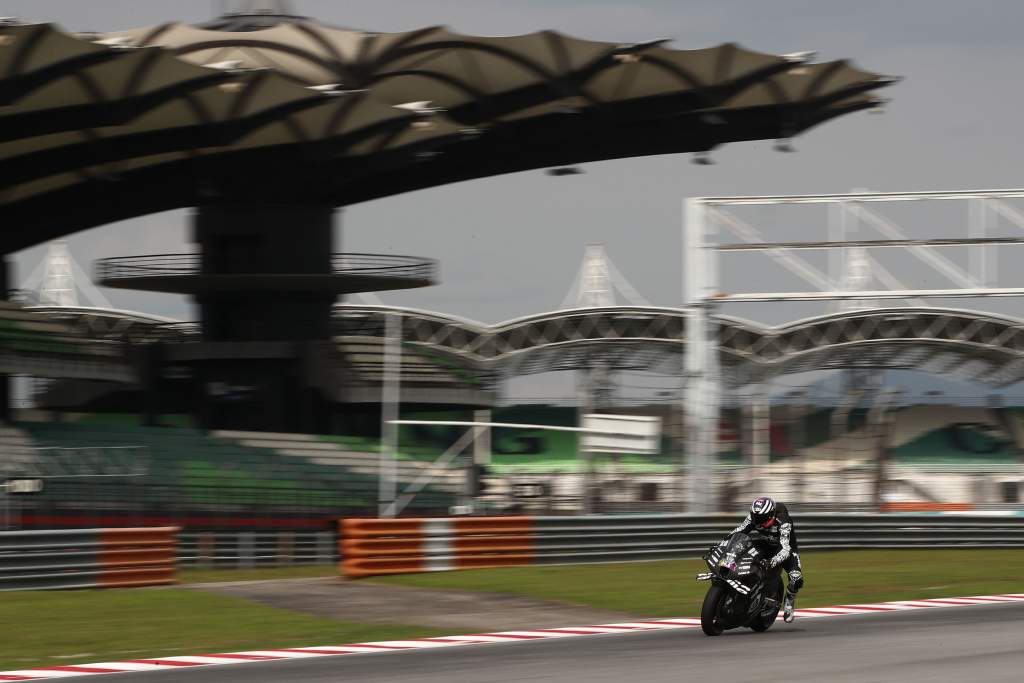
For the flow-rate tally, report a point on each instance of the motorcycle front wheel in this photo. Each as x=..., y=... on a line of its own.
x=709, y=619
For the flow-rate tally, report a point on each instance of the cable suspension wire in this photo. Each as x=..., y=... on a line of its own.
x=624, y=287
x=573, y=294
x=92, y=293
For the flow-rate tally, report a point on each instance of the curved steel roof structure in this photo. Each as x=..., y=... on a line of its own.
x=105, y=323
x=973, y=345
x=98, y=128
x=977, y=346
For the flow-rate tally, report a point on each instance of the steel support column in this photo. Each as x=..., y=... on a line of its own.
x=796, y=413
x=585, y=391
x=482, y=437
x=882, y=415
x=839, y=427
x=6, y=280
x=977, y=229
x=757, y=419
x=391, y=396
x=701, y=399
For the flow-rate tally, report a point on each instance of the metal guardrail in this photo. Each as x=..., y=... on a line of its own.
x=602, y=539
x=242, y=550
x=177, y=265
x=87, y=558
x=372, y=547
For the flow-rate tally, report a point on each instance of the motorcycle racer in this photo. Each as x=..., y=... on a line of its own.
x=772, y=519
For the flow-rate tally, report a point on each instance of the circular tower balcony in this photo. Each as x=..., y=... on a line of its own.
x=184, y=274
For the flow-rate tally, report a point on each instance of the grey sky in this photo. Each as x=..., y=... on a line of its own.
x=510, y=245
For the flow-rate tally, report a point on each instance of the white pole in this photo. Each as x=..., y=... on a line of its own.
x=835, y=234
x=974, y=254
x=7, y=505
x=482, y=438
x=981, y=265
x=481, y=454
x=550, y=428
x=429, y=474
x=760, y=437
x=701, y=396
x=585, y=381
x=389, y=408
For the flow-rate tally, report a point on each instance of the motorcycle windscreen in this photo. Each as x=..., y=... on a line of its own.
x=735, y=554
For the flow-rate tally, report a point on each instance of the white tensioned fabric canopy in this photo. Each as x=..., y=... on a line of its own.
x=96, y=128
x=477, y=79
x=452, y=70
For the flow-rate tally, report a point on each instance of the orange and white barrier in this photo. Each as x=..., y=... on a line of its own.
x=88, y=558
x=924, y=506
x=144, y=556
x=371, y=547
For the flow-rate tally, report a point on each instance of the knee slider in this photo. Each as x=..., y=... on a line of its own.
x=796, y=580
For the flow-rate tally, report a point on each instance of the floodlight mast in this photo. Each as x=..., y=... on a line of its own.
x=702, y=294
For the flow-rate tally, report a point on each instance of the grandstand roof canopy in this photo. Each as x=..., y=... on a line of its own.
x=101, y=127
x=970, y=345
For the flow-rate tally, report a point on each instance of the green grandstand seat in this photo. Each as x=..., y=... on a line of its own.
x=189, y=467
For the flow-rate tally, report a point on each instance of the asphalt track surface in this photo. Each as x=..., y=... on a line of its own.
x=961, y=644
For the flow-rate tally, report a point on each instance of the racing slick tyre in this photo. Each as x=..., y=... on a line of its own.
x=764, y=622
x=709, y=617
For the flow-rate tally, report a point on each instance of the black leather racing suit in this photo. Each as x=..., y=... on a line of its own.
x=783, y=532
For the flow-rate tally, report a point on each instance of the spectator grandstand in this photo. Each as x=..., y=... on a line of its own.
x=31, y=343
x=186, y=476
x=955, y=434
x=936, y=453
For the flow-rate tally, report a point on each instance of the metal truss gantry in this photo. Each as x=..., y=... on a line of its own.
x=913, y=338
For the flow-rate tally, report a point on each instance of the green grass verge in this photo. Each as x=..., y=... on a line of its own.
x=62, y=628
x=668, y=588
x=65, y=628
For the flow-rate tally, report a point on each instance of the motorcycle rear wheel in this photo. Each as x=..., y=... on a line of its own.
x=709, y=620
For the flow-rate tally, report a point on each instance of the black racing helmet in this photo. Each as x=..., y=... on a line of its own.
x=762, y=512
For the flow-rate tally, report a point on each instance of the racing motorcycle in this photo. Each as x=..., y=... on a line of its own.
x=743, y=591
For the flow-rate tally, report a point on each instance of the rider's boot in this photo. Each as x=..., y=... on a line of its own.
x=788, y=606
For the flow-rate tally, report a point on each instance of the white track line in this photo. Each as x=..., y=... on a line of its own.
x=252, y=656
